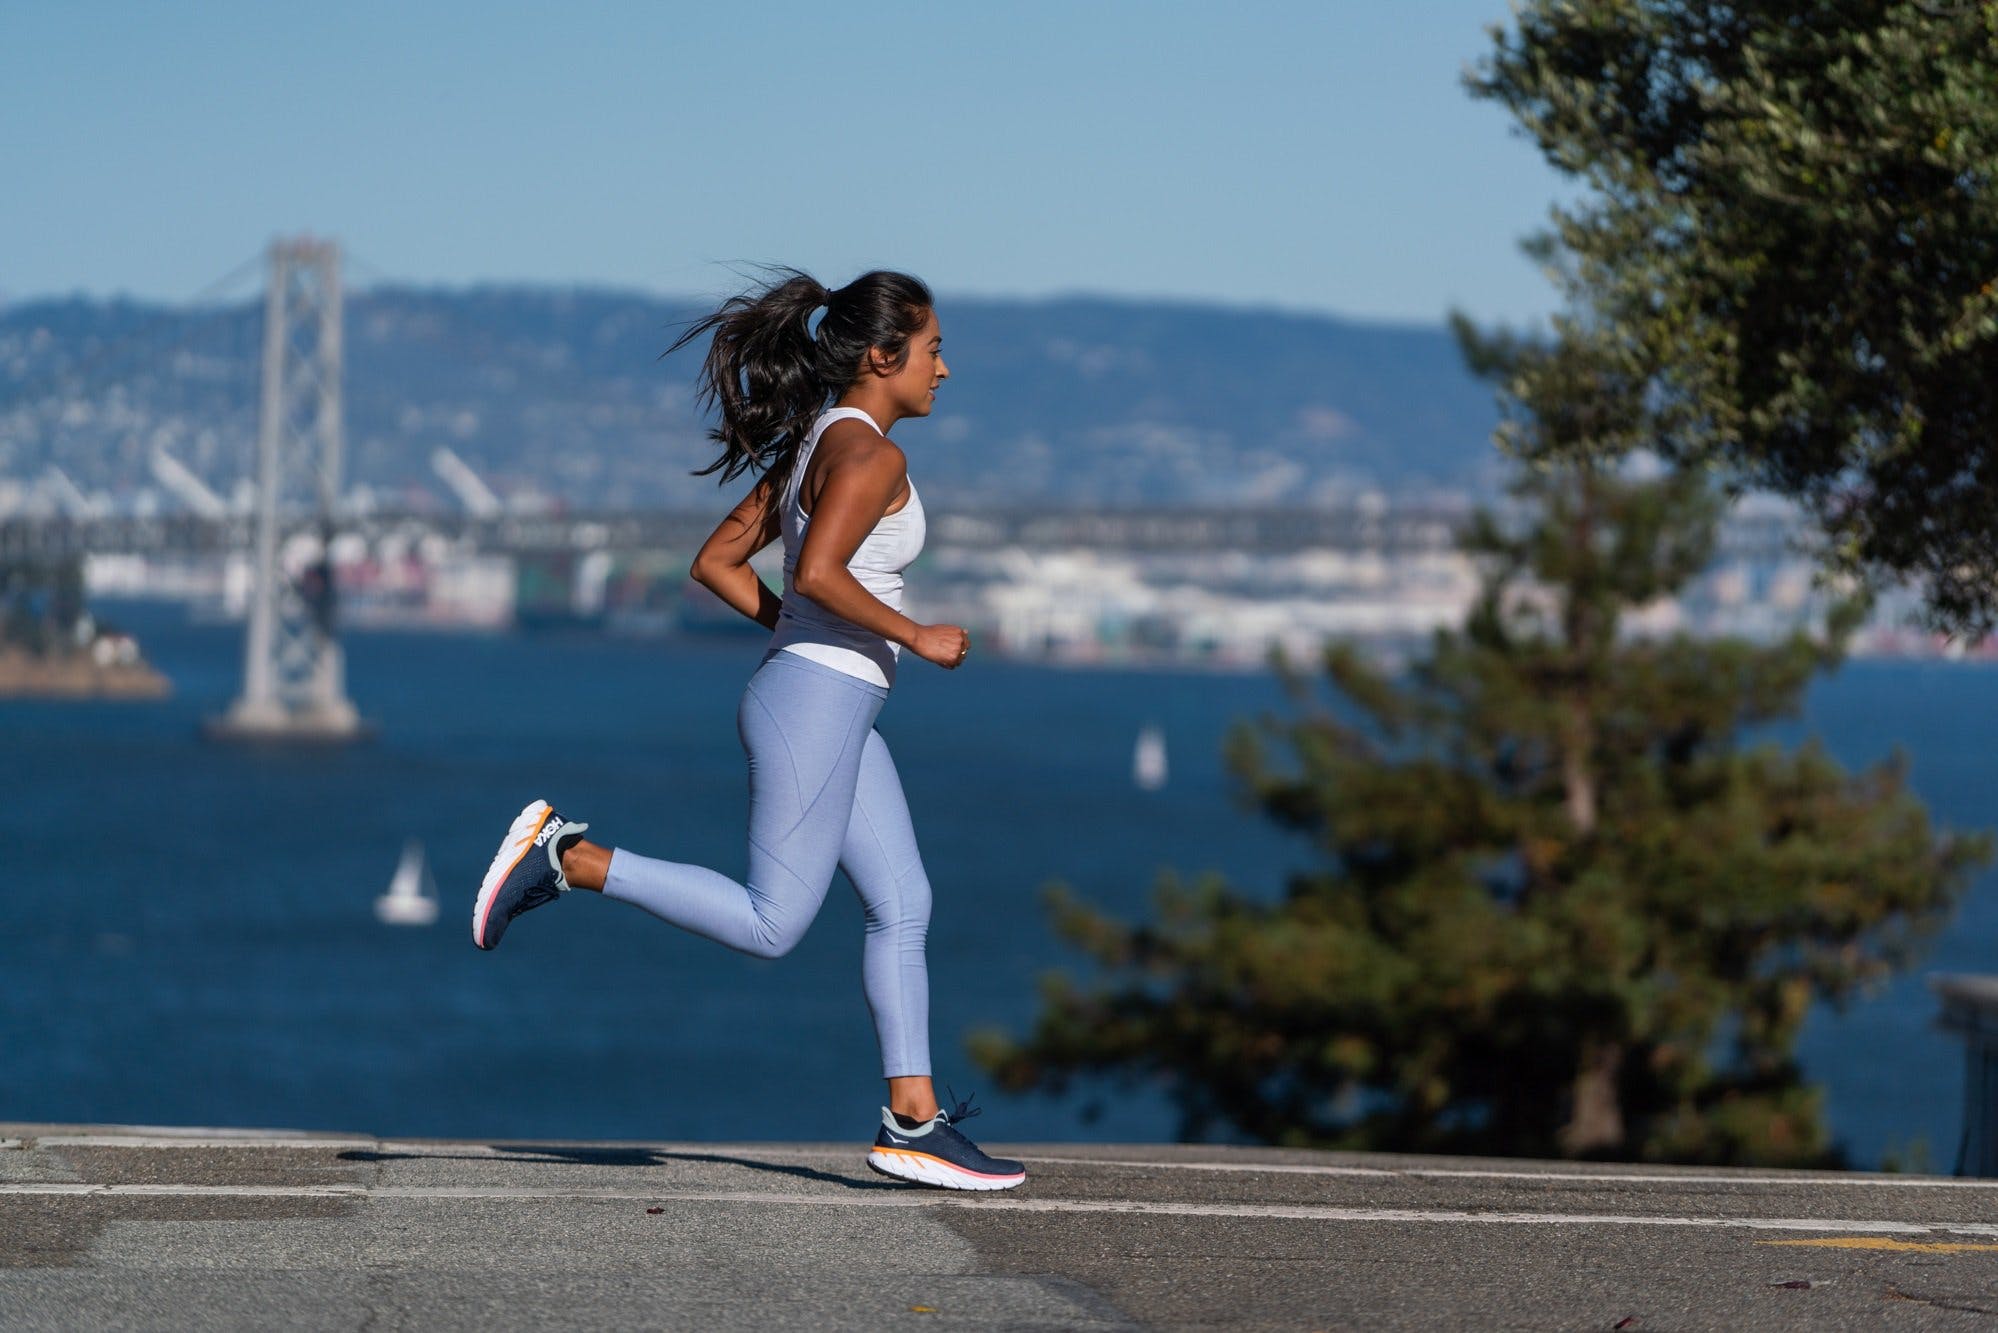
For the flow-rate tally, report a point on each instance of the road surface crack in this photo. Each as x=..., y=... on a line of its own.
x=1894, y=1293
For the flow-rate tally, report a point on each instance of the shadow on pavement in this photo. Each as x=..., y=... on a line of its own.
x=620, y=1157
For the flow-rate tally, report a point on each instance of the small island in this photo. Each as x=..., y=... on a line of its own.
x=52, y=648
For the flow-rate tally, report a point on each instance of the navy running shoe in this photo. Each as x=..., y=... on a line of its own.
x=522, y=877
x=937, y=1153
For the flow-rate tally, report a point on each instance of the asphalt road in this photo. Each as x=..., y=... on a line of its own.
x=151, y=1228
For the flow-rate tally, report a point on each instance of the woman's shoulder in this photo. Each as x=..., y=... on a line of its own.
x=851, y=436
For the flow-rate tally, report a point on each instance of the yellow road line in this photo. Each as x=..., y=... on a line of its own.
x=1882, y=1243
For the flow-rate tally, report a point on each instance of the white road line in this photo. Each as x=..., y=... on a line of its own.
x=205, y=1141
x=1274, y=1168
x=504, y=1152
x=1004, y=1203
x=1871, y=1179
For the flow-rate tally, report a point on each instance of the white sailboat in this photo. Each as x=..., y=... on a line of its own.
x=1148, y=760
x=411, y=899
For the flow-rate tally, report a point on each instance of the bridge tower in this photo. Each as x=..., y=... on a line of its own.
x=294, y=685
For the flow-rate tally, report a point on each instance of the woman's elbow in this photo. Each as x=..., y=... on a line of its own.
x=705, y=570
x=808, y=580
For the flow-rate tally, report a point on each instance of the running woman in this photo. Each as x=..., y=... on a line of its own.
x=809, y=406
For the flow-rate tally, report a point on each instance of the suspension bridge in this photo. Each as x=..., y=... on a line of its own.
x=277, y=512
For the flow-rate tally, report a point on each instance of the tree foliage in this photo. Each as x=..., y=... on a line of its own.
x=1564, y=901
x=1791, y=235
x=1562, y=906
x=41, y=601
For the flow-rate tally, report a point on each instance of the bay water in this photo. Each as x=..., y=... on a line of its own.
x=189, y=937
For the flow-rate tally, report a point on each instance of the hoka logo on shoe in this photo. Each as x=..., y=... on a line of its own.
x=547, y=832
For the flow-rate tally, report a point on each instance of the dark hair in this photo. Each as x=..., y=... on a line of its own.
x=770, y=375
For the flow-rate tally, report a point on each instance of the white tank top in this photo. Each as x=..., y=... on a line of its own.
x=808, y=629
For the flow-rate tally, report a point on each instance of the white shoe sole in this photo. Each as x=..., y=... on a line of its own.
x=927, y=1170
x=526, y=827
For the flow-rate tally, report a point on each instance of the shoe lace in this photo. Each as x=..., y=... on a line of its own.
x=964, y=1109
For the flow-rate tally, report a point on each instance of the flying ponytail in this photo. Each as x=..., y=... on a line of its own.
x=768, y=373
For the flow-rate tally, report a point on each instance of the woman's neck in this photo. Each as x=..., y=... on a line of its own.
x=879, y=408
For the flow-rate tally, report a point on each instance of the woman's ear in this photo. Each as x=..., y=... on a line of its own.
x=877, y=362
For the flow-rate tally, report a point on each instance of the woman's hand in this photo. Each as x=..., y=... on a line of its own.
x=946, y=645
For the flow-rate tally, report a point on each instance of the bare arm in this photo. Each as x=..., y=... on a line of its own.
x=860, y=483
x=723, y=562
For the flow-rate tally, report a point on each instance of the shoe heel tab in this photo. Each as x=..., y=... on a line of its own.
x=569, y=828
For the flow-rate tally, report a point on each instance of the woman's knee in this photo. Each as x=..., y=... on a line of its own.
x=774, y=939
x=915, y=897
x=906, y=909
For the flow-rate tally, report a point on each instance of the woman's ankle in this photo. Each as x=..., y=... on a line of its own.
x=585, y=865
x=913, y=1097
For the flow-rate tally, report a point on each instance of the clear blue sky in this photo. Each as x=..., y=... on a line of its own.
x=1315, y=156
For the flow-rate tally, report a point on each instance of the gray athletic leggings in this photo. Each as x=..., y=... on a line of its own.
x=823, y=793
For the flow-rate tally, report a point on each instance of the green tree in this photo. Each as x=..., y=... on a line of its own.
x=34, y=595
x=1563, y=907
x=1791, y=231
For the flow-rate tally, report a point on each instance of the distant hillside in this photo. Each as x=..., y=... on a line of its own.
x=1070, y=402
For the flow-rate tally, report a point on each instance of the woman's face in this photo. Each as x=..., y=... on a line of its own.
x=914, y=386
